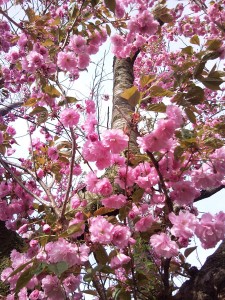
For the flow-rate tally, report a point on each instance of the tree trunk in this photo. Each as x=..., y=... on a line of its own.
x=9, y=240
x=122, y=111
x=209, y=282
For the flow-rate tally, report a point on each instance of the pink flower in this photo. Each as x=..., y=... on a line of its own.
x=77, y=44
x=211, y=229
x=62, y=250
x=90, y=106
x=115, y=139
x=100, y=230
x=174, y=113
x=121, y=236
x=184, y=193
x=144, y=223
x=152, y=142
x=95, y=151
x=163, y=246
x=104, y=187
x=75, y=202
x=91, y=181
x=69, y=117
x=52, y=288
x=53, y=153
x=67, y=61
x=119, y=260
x=114, y=201
x=83, y=60
x=183, y=225
x=71, y=283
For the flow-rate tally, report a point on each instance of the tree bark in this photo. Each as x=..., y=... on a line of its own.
x=9, y=240
x=122, y=111
x=209, y=282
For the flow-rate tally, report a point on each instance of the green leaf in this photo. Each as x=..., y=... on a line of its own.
x=191, y=116
x=94, y=2
x=188, y=251
x=212, y=83
x=188, y=50
x=195, y=40
x=75, y=228
x=25, y=277
x=111, y=5
x=108, y=29
x=30, y=102
x=195, y=95
x=132, y=95
x=51, y=91
x=214, y=45
x=178, y=151
x=199, y=68
x=42, y=117
x=101, y=255
x=31, y=14
x=158, y=91
x=58, y=268
x=67, y=100
x=146, y=79
x=157, y=107
x=37, y=110
x=137, y=195
x=20, y=268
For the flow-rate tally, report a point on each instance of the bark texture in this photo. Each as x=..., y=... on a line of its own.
x=9, y=240
x=122, y=111
x=209, y=282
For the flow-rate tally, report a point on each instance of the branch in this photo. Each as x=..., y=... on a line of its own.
x=209, y=282
x=5, y=165
x=208, y=193
x=4, y=111
x=71, y=173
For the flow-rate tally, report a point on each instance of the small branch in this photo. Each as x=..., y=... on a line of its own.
x=42, y=184
x=208, y=193
x=162, y=183
x=12, y=21
x=4, y=111
x=71, y=173
x=5, y=165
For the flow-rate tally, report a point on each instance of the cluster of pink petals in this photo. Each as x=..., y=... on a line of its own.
x=184, y=224
x=114, y=201
x=119, y=260
x=163, y=245
x=211, y=229
x=69, y=117
x=184, y=192
x=62, y=250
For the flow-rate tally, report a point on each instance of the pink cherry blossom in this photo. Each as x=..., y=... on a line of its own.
x=115, y=139
x=114, y=201
x=144, y=223
x=52, y=288
x=163, y=246
x=184, y=224
x=100, y=230
x=211, y=229
x=119, y=260
x=184, y=192
x=53, y=153
x=104, y=187
x=69, y=117
x=121, y=236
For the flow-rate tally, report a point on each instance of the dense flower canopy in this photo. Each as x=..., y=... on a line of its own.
x=109, y=211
